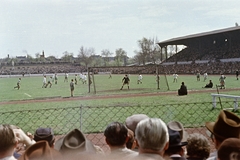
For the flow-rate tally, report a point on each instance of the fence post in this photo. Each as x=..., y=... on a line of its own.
x=81, y=112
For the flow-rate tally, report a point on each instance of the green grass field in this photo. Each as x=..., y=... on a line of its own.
x=190, y=110
x=31, y=88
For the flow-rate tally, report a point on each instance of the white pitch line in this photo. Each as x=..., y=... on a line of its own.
x=28, y=95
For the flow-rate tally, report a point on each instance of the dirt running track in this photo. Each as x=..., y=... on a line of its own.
x=59, y=99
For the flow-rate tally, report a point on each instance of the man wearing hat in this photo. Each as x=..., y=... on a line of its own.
x=45, y=134
x=226, y=126
x=177, y=139
x=131, y=123
x=74, y=143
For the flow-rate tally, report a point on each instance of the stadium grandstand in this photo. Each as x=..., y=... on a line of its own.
x=214, y=52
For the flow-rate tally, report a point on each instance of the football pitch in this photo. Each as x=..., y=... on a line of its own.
x=31, y=89
x=54, y=106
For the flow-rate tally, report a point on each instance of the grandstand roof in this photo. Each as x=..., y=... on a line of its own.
x=232, y=32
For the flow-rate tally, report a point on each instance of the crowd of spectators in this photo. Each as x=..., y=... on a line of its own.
x=216, y=59
x=193, y=68
x=150, y=139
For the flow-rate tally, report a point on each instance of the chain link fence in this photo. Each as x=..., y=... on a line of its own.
x=93, y=120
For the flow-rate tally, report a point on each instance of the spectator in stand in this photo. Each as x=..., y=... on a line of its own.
x=116, y=136
x=229, y=149
x=45, y=134
x=198, y=147
x=226, y=126
x=8, y=142
x=152, y=138
x=183, y=90
x=209, y=85
x=177, y=141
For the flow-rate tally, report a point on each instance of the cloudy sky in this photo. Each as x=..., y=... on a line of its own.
x=56, y=26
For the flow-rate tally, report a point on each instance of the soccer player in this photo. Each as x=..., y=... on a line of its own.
x=125, y=81
x=84, y=79
x=55, y=78
x=139, y=79
x=205, y=76
x=18, y=84
x=222, y=81
x=76, y=79
x=44, y=81
x=49, y=82
x=237, y=73
x=175, y=77
x=198, y=76
x=66, y=77
x=72, y=87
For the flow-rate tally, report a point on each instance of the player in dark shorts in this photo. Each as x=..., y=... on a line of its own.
x=237, y=73
x=125, y=81
x=72, y=87
x=18, y=84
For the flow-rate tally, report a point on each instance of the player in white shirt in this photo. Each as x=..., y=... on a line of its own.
x=205, y=76
x=44, y=81
x=139, y=79
x=175, y=76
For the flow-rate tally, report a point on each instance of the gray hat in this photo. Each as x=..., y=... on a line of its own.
x=132, y=121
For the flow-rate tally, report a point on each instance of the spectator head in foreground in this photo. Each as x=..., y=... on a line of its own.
x=226, y=126
x=177, y=140
x=198, y=146
x=39, y=151
x=8, y=141
x=152, y=137
x=45, y=134
x=132, y=121
x=116, y=134
x=74, y=143
x=229, y=149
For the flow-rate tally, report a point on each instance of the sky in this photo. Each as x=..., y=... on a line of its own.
x=56, y=26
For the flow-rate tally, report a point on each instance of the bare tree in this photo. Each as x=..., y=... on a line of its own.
x=149, y=51
x=86, y=55
x=106, y=54
x=120, y=56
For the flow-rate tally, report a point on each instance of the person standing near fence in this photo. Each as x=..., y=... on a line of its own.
x=72, y=87
x=125, y=81
x=18, y=84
